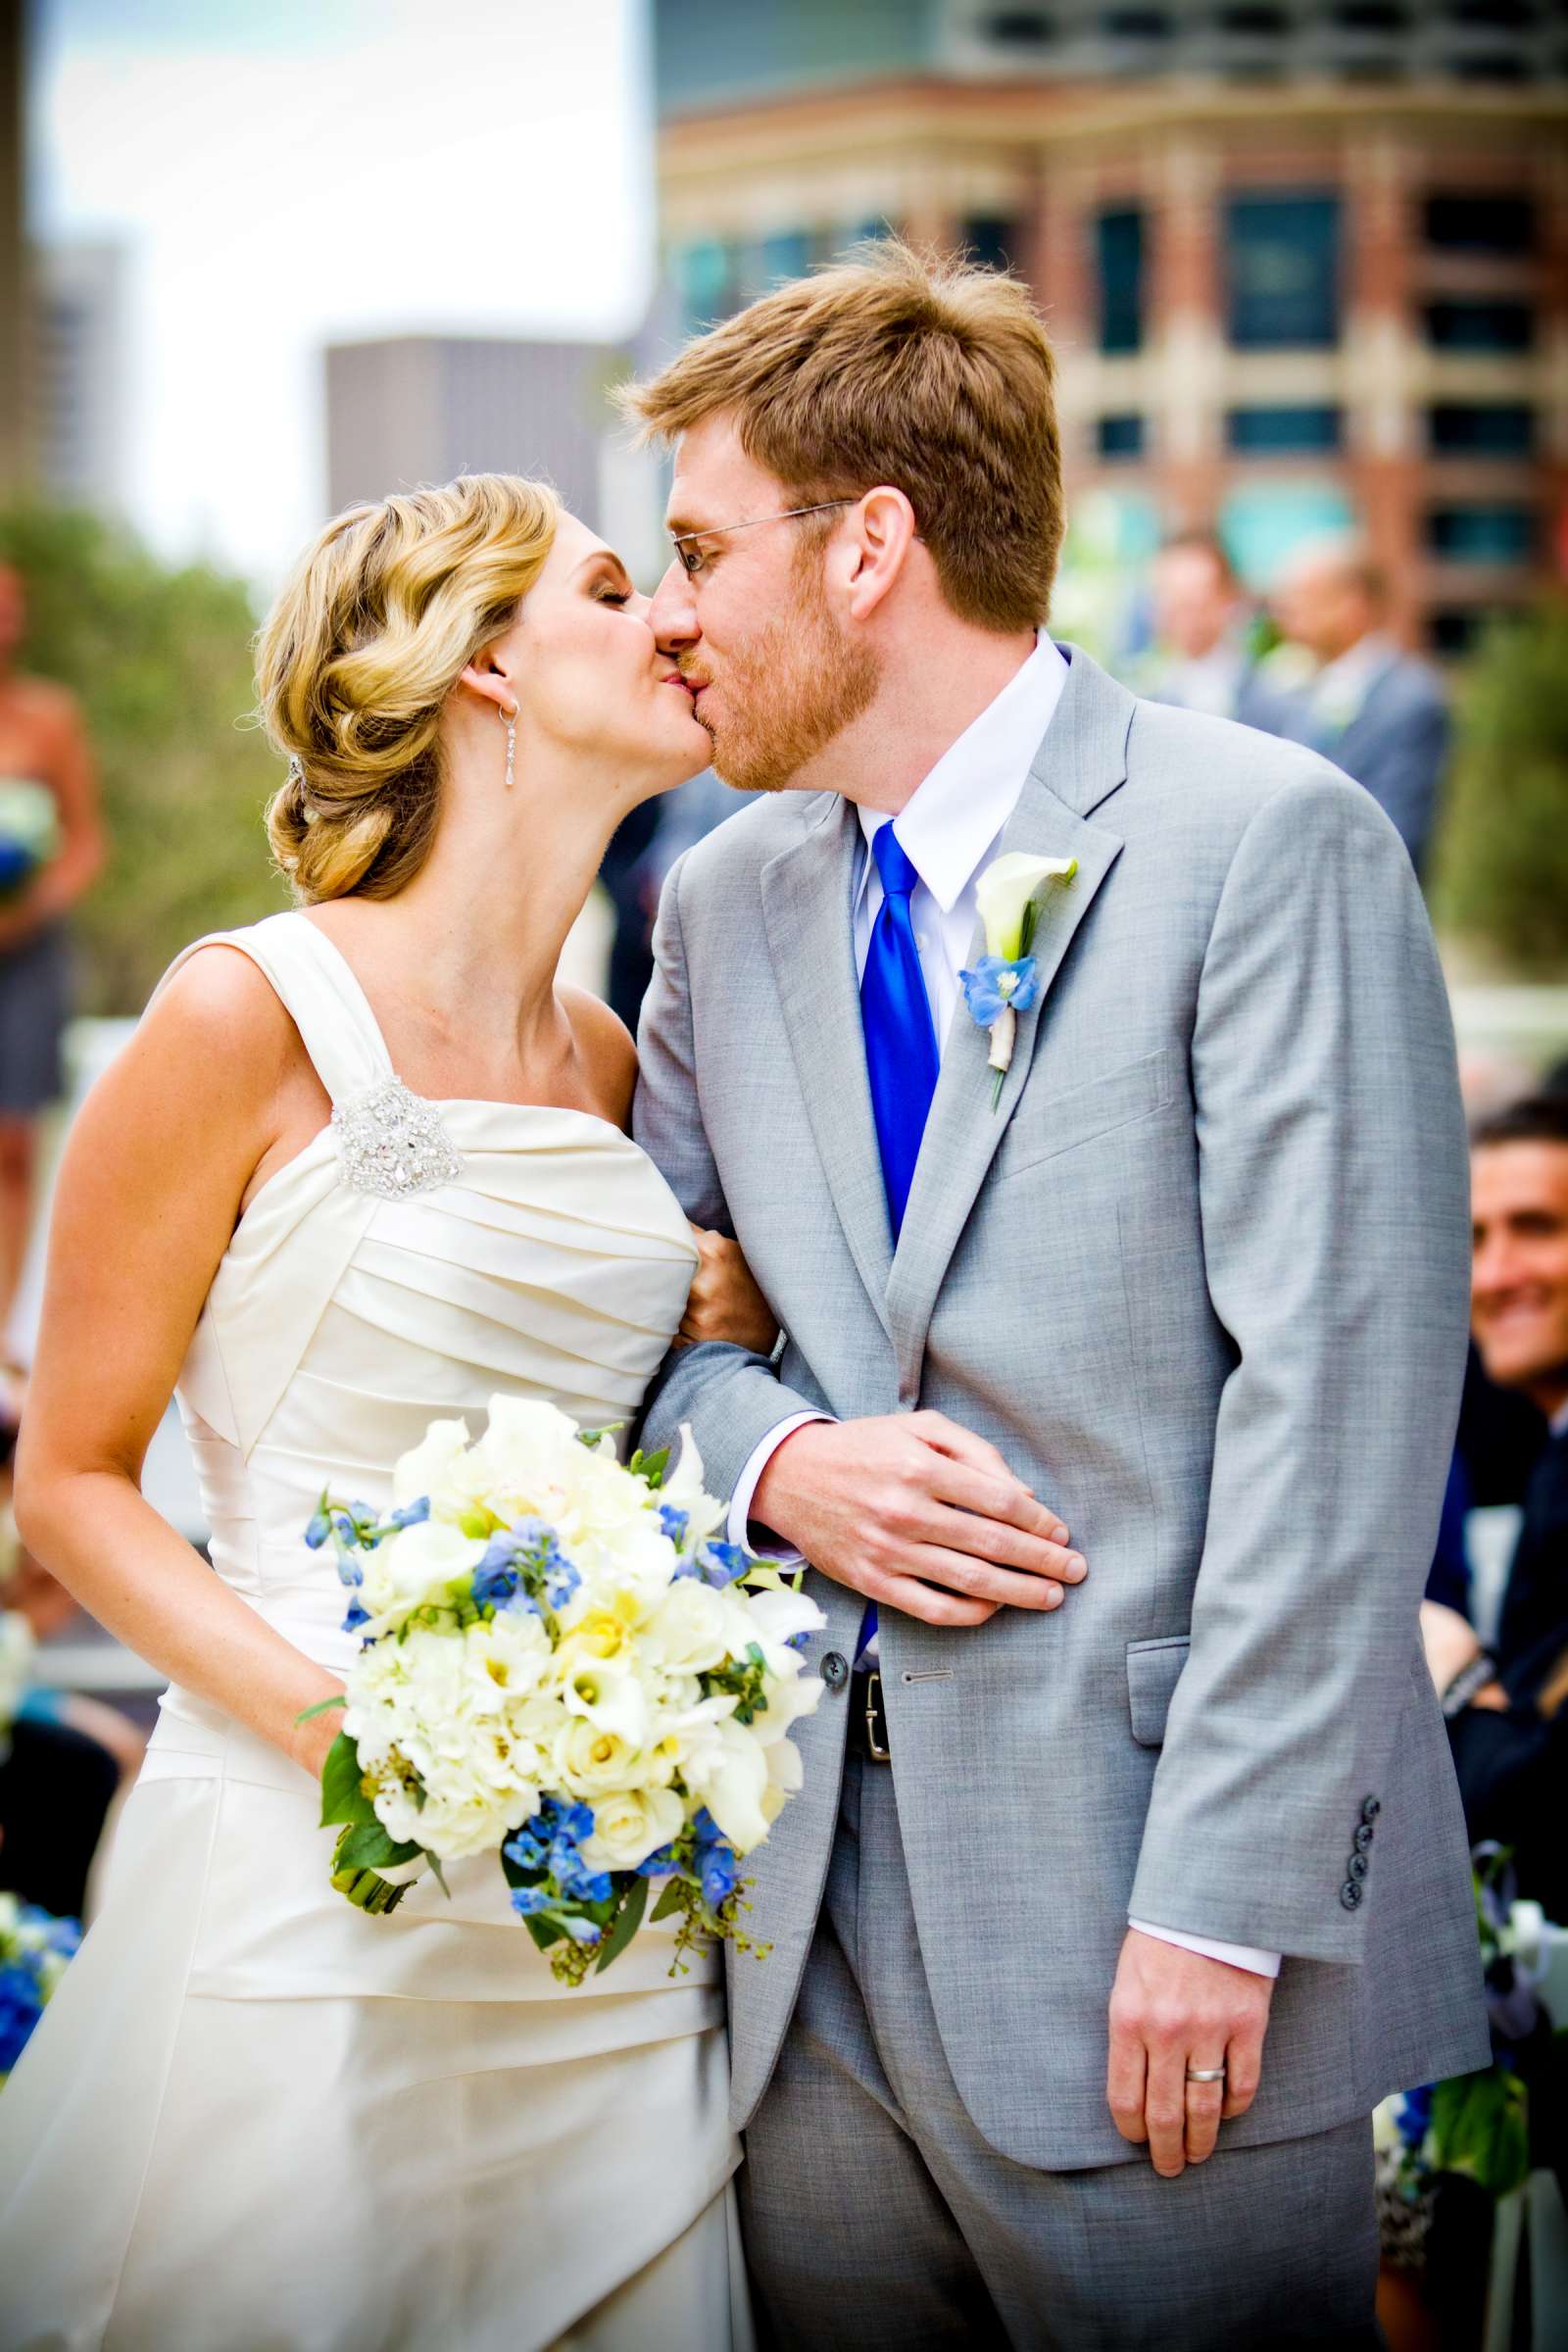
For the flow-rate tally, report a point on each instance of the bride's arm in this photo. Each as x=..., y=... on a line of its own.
x=159, y=1161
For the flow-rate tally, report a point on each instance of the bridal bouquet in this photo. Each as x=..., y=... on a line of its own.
x=30, y=832
x=561, y=1664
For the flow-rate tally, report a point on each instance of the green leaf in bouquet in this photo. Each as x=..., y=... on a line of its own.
x=668, y=1904
x=1481, y=2128
x=649, y=1467
x=343, y=1796
x=544, y=1932
x=628, y=1919
x=366, y=1845
x=436, y=1871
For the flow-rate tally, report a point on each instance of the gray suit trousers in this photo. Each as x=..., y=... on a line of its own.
x=878, y=2220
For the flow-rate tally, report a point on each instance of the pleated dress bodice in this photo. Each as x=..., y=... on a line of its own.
x=366, y=1290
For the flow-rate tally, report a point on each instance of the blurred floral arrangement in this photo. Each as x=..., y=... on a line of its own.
x=30, y=832
x=34, y=1952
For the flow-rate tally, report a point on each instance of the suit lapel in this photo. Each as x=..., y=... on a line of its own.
x=808, y=912
x=1081, y=760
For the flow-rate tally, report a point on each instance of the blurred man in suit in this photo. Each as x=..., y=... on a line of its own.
x=1507, y=1708
x=1202, y=657
x=1374, y=712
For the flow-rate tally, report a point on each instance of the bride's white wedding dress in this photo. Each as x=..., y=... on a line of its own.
x=254, y=2120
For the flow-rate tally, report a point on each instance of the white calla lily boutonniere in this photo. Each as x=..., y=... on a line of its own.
x=1006, y=981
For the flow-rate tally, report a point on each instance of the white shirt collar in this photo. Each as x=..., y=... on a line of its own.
x=956, y=811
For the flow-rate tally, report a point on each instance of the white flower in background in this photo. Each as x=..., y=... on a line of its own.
x=416, y=1565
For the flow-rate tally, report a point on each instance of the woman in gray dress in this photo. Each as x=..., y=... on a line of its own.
x=42, y=742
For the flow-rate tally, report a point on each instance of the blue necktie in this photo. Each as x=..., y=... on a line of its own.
x=901, y=1042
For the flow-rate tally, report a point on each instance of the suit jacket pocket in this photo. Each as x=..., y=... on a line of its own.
x=1154, y=1669
x=1061, y=1122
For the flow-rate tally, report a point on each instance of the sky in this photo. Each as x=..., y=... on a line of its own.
x=284, y=173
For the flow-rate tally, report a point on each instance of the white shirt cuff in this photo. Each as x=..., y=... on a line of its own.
x=740, y=1506
x=1235, y=1955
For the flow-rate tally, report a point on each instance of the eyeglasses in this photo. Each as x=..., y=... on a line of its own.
x=691, y=558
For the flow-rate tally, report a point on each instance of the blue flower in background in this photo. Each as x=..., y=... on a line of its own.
x=411, y=1514
x=20, y=2007
x=657, y=1865
x=581, y=1930
x=995, y=986
x=673, y=1522
x=358, y=1615
x=719, y=1874
x=319, y=1529
x=526, y=1849
x=529, y=1901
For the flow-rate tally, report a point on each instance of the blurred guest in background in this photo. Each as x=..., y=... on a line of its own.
x=631, y=950
x=1508, y=1706
x=1205, y=657
x=44, y=759
x=1376, y=713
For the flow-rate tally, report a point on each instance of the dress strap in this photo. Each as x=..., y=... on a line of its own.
x=317, y=986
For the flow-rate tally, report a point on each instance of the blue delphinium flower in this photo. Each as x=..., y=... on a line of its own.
x=673, y=1522
x=411, y=1514
x=995, y=985
x=723, y=1563
x=358, y=1615
x=657, y=1865
x=525, y=1847
x=321, y=1527
x=718, y=1872
x=581, y=1930
x=497, y=1580
x=529, y=1901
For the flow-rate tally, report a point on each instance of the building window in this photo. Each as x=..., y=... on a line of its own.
x=1283, y=432
x=1282, y=259
x=989, y=241
x=1482, y=534
x=1481, y=325
x=1493, y=224
x=1119, y=255
x=1119, y=436
x=1020, y=29
x=1501, y=428
x=1454, y=630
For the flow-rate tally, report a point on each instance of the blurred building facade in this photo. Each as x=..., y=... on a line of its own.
x=1306, y=266
x=425, y=408
x=78, y=374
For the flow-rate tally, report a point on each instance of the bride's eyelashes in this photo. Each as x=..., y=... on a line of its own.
x=611, y=596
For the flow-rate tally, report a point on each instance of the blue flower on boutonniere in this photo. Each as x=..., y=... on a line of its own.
x=1007, y=980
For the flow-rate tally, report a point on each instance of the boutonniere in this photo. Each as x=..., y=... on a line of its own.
x=1006, y=981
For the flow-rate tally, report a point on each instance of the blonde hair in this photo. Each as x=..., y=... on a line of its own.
x=933, y=376
x=356, y=659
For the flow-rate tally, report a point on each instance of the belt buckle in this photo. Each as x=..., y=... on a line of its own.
x=873, y=1715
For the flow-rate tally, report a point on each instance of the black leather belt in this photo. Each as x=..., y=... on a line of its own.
x=869, y=1723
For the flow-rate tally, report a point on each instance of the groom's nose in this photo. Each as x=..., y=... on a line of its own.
x=672, y=614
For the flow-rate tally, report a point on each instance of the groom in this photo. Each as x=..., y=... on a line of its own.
x=1114, y=1900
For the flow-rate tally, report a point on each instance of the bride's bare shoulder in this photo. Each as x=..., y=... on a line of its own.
x=220, y=1006
x=607, y=1053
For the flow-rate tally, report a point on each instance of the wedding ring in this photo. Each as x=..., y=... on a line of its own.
x=1206, y=2074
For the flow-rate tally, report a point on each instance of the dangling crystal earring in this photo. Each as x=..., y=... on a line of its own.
x=509, y=721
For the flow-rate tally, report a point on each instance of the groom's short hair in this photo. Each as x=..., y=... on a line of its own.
x=930, y=376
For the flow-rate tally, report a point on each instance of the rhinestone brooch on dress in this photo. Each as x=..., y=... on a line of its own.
x=392, y=1143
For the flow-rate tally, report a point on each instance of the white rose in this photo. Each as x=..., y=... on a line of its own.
x=688, y=1634
x=631, y=1824
x=590, y=1762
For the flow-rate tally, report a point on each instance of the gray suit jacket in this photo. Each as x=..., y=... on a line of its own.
x=1397, y=746
x=1202, y=1276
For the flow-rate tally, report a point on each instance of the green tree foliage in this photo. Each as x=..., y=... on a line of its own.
x=1502, y=861
x=160, y=660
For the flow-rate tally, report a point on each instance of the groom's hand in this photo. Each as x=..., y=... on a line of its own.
x=1172, y=2009
x=917, y=1514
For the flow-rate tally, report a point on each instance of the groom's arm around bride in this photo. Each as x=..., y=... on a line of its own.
x=1186, y=1300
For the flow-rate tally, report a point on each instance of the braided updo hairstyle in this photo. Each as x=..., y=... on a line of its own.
x=356, y=659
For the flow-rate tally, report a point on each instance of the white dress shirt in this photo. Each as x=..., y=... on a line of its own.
x=950, y=829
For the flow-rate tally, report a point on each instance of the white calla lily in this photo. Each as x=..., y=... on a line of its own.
x=1005, y=892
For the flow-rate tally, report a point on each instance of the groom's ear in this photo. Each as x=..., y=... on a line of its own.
x=876, y=548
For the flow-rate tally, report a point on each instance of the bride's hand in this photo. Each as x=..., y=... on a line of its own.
x=725, y=1302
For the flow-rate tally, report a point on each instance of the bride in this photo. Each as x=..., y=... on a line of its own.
x=361, y=1164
